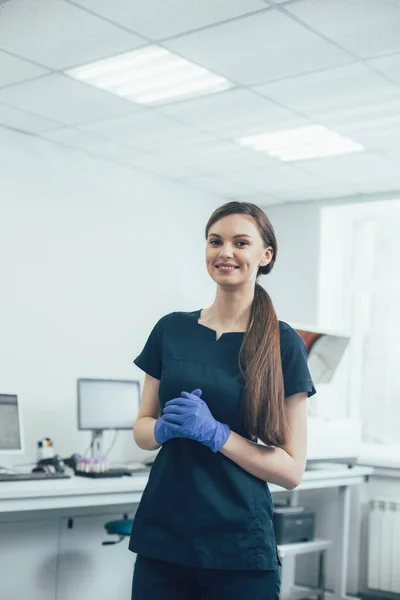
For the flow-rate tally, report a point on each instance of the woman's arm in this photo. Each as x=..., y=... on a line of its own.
x=143, y=430
x=282, y=466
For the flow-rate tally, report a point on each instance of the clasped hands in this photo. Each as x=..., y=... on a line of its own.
x=189, y=417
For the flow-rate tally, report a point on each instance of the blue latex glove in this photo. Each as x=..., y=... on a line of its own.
x=190, y=417
x=163, y=430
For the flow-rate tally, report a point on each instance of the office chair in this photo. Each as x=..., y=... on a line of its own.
x=122, y=528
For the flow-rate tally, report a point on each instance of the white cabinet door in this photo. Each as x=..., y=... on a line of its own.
x=87, y=570
x=28, y=560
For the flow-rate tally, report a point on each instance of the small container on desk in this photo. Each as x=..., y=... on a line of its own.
x=45, y=449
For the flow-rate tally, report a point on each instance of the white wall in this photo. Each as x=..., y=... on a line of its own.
x=91, y=255
x=293, y=282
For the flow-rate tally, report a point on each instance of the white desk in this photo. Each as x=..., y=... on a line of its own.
x=61, y=496
x=83, y=491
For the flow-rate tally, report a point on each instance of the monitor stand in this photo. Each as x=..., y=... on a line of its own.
x=97, y=443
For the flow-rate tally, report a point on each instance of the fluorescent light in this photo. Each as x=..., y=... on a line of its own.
x=150, y=74
x=302, y=143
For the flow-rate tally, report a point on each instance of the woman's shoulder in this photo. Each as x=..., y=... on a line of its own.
x=175, y=318
x=289, y=337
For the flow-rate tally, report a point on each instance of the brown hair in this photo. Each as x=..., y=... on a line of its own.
x=263, y=410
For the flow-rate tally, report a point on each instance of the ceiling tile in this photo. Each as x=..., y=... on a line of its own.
x=260, y=125
x=75, y=138
x=320, y=192
x=9, y=150
x=23, y=121
x=129, y=127
x=182, y=141
x=59, y=35
x=179, y=137
x=117, y=151
x=236, y=110
x=71, y=136
x=219, y=185
x=347, y=87
x=375, y=136
x=219, y=157
x=273, y=179
x=352, y=168
x=13, y=69
x=148, y=131
x=262, y=199
x=24, y=155
x=162, y=166
x=393, y=154
x=156, y=19
x=112, y=150
x=365, y=123
x=379, y=185
x=367, y=28
x=64, y=100
x=388, y=65
x=258, y=48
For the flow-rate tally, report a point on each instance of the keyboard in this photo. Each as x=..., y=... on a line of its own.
x=32, y=476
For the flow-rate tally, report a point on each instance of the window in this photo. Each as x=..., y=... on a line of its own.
x=360, y=294
x=376, y=323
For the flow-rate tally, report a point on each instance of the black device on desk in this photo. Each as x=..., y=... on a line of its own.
x=101, y=474
x=121, y=472
x=293, y=524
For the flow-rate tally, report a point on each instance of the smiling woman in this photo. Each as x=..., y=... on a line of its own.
x=218, y=380
x=241, y=234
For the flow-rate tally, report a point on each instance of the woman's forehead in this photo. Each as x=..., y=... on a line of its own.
x=234, y=225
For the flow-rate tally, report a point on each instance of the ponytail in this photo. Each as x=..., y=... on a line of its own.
x=263, y=410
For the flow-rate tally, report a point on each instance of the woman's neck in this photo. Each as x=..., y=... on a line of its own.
x=228, y=312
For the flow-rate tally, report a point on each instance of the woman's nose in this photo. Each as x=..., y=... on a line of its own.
x=225, y=256
x=225, y=251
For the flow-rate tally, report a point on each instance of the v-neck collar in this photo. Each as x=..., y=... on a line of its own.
x=212, y=332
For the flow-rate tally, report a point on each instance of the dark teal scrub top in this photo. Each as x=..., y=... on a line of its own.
x=200, y=509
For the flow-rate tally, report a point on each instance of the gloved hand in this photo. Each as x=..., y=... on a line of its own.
x=163, y=430
x=190, y=417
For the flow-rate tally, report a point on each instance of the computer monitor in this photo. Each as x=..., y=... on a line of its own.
x=10, y=425
x=106, y=404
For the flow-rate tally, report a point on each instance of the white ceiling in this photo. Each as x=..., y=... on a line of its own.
x=291, y=62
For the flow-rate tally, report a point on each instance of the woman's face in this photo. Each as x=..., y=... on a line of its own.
x=235, y=240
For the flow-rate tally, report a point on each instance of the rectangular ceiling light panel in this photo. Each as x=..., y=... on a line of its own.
x=150, y=75
x=302, y=143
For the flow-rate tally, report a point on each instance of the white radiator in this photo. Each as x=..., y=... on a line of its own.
x=384, y=545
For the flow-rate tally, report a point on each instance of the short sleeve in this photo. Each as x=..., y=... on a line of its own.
x=150, y=358
x=296, y=374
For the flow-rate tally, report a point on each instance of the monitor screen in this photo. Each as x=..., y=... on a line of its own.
x=107, y=403
x=10, y=430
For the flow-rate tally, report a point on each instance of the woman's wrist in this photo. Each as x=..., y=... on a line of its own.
x=221, y=435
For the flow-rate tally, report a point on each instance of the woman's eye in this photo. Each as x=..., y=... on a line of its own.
x=217, y=242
